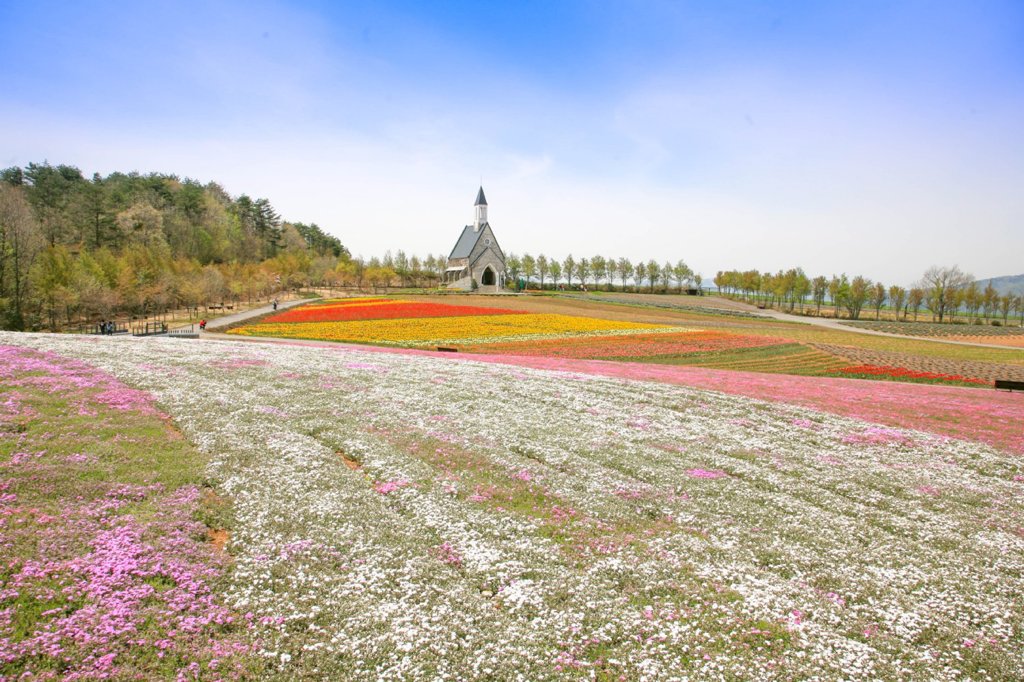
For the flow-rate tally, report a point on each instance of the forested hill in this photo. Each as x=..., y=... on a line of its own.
x=74, y=248
x=197, y=221
x=1009, y=284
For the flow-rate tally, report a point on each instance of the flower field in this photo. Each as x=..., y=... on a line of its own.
x=348, y=309
x=902, y=374
x=631, y=346
x=645, y=329
x=398, y=323
x=938, y=330
x=106, y=570
x=398, y=515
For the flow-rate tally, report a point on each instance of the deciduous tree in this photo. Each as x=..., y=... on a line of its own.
x=897, y=298
x=940, y=284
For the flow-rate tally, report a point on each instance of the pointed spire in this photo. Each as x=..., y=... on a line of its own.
x=481, y=200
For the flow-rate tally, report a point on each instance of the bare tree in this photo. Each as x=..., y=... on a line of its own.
x=939, y=285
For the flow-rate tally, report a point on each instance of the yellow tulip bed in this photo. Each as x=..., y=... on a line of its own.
x=432, y=331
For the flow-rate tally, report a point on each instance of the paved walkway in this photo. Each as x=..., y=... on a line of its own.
x=255, y=312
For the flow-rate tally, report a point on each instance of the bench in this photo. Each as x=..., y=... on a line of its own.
x=215, y=307
x=1010, y=385
x=446, y=349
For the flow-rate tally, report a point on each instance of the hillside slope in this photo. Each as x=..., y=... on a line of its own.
x=1008, y=284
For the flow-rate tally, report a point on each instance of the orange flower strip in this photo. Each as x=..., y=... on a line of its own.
x=380, y=310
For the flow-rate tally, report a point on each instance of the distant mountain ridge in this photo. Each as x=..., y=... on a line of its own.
x=1008, y=284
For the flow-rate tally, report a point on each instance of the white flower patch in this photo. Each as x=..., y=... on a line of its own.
x=411, y=517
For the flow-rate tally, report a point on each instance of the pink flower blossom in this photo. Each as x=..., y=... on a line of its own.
x=706, y=473
x=387, y=487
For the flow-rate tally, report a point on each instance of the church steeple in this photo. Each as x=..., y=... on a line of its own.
x=481, y=210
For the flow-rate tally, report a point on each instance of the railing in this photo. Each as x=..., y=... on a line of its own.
x=188, y=332
x=149, y=329
x=107, y=328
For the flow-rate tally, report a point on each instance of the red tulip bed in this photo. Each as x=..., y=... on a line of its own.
x=902, y=374
x=634, y=346
x=380, y=309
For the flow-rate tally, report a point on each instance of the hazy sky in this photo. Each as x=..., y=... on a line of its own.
x=873, y=138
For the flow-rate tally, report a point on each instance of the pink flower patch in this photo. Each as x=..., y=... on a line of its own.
x=447, y=554
x=387, y=487
x=928, y=490
x=81, y=458
x=482, y=494
x=523, y=475
x=835, y=598
x=706, y=473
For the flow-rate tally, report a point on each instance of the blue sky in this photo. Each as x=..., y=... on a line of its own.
x=873, y=138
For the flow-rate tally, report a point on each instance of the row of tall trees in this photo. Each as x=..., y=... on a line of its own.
x=539, y=271
x=944, y=291
x=597, y=270
x=130, y=244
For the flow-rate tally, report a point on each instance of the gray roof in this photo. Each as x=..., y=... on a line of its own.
x=467, y=240
x=480, y=199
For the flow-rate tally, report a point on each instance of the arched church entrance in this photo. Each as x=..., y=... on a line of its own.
x=487, y=279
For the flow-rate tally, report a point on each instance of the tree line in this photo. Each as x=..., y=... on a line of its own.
x=945, y=291
x=531, y=272
x=74, y=248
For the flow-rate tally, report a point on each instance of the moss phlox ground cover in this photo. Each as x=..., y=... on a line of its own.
x=400, y=516
x=106, y=572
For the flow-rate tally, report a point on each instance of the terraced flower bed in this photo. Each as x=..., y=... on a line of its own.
x=401, y=323
x=344, y=310
x=984, y=371
x=784, y=358
x=634, y=346
x=903, y=374
x=934, y=329
x=404, y=516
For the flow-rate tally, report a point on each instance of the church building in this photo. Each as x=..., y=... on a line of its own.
x=477, y=256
